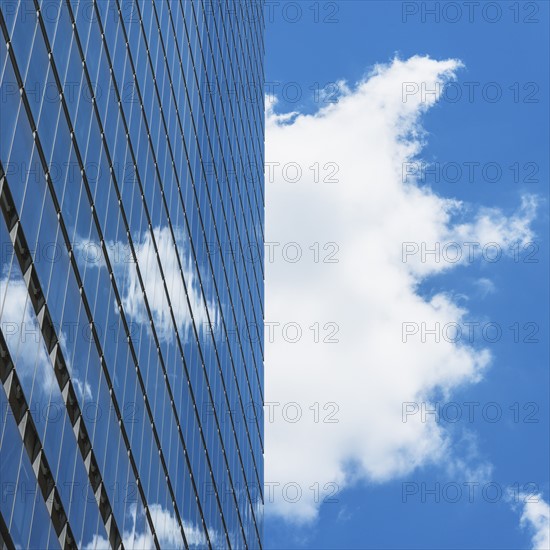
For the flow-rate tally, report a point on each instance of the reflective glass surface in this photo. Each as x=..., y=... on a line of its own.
x=131, y=282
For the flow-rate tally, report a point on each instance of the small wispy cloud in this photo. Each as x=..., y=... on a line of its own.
x=485, y=287
x=535, y=518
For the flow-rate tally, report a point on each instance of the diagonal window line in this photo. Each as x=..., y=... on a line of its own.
x=59, y=365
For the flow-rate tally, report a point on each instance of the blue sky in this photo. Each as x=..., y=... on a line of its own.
x=513, y=57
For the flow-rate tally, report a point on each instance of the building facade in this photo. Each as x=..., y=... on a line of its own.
x=131, y=282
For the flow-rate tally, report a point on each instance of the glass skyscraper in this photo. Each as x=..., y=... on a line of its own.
x=131, y=281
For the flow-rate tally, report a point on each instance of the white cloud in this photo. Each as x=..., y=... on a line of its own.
x=485, y=287
x=25, y=343
x=132, y=299
x=84, y=389
x=369, y=293
x=167, y=530
x=536, y=518
x=90, y=255
x=23, y=337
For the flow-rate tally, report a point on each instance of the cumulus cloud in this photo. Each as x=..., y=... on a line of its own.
x=349, y=214
x=24, y=339
x=167, y=530
x=90, y=255
x=536, y=518
x=132, y=299
x=22, y=333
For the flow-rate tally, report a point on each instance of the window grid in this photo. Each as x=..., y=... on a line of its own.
x=194, y=471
